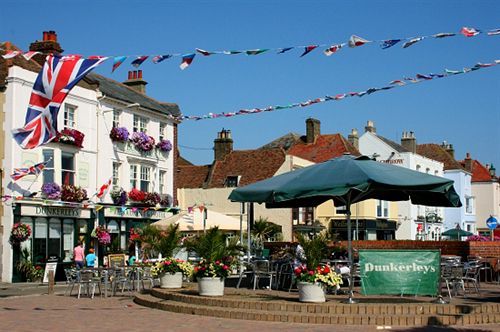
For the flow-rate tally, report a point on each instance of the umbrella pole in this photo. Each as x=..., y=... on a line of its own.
x=350, y=300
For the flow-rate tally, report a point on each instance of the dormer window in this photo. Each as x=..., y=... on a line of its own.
x=232, y=181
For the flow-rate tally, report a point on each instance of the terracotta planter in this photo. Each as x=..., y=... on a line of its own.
x=168, y=280
x=211, y=286
x=309, y=292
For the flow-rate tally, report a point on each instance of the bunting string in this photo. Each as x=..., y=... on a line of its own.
x=329, y=49
x=391, y=85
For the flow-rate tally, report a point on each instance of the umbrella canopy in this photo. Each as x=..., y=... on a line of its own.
x=456, y=233
x=349, y=179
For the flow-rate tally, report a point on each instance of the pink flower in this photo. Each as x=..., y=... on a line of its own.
x=311, y=273
x=168, y=262
x=217, y=262
x=225, y=267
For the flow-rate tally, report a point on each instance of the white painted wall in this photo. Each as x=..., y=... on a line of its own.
x=487, y=196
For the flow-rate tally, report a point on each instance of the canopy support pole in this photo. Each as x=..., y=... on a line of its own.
x=249, y=230
x=350, y=300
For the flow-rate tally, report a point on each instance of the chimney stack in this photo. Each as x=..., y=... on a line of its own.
x=468, y=162
x=46, y=46
x=409, y=142
x=136, y=82
x=353, y=138
x=313, y=130
x=449, y=148
x=370, y=127
x=223, y=144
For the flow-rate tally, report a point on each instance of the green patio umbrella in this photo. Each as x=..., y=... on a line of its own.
x=347, y=180
x=456, y=233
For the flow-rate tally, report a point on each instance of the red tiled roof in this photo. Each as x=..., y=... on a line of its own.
x=192, y=176
x=479, y=172
x=437, y=152
x=250, y=165
x=324, y=148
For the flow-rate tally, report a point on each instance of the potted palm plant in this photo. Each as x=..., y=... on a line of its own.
x=313, y=278
x=218, y=258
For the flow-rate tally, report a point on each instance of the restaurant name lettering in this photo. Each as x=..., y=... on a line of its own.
x=151, y=214
x=57, y=211
x=392, y=161
x=391, y=267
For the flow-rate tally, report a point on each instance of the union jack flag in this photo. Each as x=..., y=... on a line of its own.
x=56, y=79
x=35, y=170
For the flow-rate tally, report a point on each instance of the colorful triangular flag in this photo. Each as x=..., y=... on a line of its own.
x=356, y=41
x=425, y=77
x=412, y=41
x=389, y=43
x=493, y=32
x=187, y=59
x=444, y=35
x=308, y=49
x=117, y=61
x=231, y=52
x=28, y=55
x=160, y=58
x=257, y=51
x=203, y=52
x=10, y=54
x=139, y=60
x=453, y=72
x=333, y=49
x=285, y=49
x=469, y=32
x=398, y=82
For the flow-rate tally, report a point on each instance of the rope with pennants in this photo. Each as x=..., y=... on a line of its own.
x=328, y=49
x=393, y=84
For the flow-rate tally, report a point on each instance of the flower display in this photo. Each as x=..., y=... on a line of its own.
x=20, y=232
x=119, y=134
x=322, y=274
x=102, y=235
x=214, y=269
x=152, y=199
x=164, y=145
x=142, y=141
x=136, y=195
x=482, y=238
x=135, y=235
x=72, y=193
x=51, y=190
x=172, y=265
x=166, y=200
x=119, y=197
x=70, y=136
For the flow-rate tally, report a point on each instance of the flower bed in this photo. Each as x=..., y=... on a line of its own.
x=322, y=274
x=218, y=269
x=171, y=265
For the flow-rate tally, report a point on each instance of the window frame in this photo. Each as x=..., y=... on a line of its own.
x=133, y=175
x=140, y=124
x=116, y=117
x=162, y=179
x=382, y=209
x=72, y=172
x=69, y=109
x=49, y=168
x=145, y=178
x=116, y=174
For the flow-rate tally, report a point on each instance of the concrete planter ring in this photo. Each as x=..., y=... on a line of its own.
x=211, y=286
x=169, y=280
x=309, y=292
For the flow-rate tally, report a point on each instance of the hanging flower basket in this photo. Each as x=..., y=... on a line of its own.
x=71, y=137
x=151, y=199
x=102, y=235
x=142, y=141
x=136, y=195
x=51, y=190
x=119, y=134
x=119, y=197
x=71, y=193
x=164, y=145
x=20, y=232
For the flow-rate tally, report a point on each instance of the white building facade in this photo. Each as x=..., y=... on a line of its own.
x=415, y=221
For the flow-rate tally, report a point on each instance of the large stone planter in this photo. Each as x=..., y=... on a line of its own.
x=211, y=286
x=309, y=292
x=168, y=280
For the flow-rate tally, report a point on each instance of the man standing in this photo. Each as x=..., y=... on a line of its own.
x=79, y=255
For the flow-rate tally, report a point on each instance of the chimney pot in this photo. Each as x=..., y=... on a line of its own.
x=45, y=36
x=468, y=162
x=223, y=144
x=134, y=74
x=370, y=127
x=409, y=142
x=353, y=138
x=139, y=74
x=467, y=155
x=313, y=130
x=129, y=75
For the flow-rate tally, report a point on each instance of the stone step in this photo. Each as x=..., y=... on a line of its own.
x=210, y=308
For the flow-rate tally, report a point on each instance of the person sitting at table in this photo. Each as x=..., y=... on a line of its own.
x=90, y=258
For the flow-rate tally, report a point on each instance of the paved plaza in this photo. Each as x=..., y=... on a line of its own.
x=41, y=312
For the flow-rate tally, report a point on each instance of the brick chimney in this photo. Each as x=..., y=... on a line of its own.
x=223, y=144
x=136, y=82
x=370, y=127
x=468, y=162
x=46, y=46
x=449, y=148
x=313, y=130
x=353, y=138
x=409, y=142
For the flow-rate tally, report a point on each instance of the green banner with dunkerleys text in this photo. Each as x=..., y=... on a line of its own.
x=401, y=272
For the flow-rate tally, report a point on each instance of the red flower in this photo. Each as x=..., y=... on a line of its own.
x=225, y=267
x=311, y=273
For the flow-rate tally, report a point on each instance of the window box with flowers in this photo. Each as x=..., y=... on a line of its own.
x=164, y=145
x=137, y=196
x=51, y=190
x=151, y=199
x=70, y=137
x=119, y=197
x=171, y=271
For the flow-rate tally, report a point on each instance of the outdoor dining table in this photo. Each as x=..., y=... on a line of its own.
x=104, y=273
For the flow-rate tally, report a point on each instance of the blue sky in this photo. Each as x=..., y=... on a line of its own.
x=464, y=110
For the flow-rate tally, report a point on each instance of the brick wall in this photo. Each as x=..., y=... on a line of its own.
x=459, y=248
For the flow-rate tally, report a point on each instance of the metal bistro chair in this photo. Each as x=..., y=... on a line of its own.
x=246, y=269
x=145, y=275
x=88, y=280
x=285, y=274
x=262, y=269
x=471, y=275
x=71, y=280
x=123, y=277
